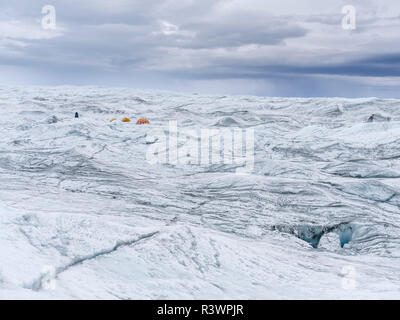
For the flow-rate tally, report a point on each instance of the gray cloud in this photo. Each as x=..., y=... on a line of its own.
x=168, y=43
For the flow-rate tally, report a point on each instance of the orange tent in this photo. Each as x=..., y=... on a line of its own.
x=142, y=121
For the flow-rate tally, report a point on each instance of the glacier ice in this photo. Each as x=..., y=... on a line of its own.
x=80, y=202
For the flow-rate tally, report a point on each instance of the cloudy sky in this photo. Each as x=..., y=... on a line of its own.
x=262, y=47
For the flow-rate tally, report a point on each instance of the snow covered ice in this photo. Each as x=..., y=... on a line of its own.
x=84, y=215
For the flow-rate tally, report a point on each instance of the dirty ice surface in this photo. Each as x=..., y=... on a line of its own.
x=83, y=214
